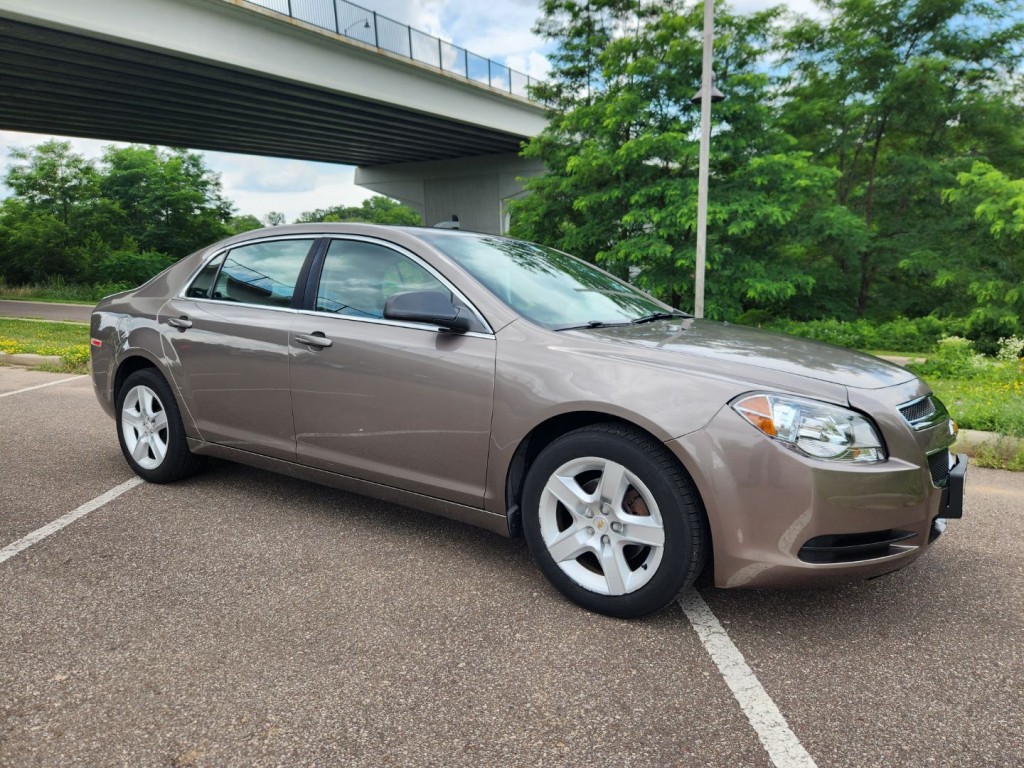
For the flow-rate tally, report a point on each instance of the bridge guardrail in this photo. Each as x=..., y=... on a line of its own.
x=362, y=24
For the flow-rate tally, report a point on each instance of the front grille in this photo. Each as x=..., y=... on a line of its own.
x=938, y=467
x=919, y=410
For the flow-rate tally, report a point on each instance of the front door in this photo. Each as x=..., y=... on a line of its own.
x=394, y=403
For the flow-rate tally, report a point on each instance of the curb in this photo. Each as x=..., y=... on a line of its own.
x=971, y=441
x=25, y=358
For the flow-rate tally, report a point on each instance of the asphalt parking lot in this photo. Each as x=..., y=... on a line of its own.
x=241, y=618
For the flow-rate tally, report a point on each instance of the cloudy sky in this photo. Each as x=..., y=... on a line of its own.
x=498, y=29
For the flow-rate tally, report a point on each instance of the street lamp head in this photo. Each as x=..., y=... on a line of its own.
x=716, y=95
x=365, y=23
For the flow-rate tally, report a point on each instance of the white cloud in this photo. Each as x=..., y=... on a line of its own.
x=533, y=64
x=494, y=30
x=804, y=7
x=258, y=185
x=424, y=16
x=264, y=174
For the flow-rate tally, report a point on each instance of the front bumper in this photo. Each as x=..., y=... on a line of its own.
x=780, y=520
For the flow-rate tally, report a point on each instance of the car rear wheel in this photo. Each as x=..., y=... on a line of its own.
x=614, y=521
x=150, y=431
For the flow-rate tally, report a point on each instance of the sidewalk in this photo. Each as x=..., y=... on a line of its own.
x=44, y=310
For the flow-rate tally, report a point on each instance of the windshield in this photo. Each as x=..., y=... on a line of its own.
x=548, y=287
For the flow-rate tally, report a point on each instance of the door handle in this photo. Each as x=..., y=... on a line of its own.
x=179, y=322
x=314, y=339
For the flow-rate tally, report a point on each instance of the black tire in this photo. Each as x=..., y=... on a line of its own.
x=177, y=461
x=660, y=577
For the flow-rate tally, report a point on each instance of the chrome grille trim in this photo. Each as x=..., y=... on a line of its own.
x=924, y=412
x=918, y=409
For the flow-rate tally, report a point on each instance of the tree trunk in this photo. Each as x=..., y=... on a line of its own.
x=867, y=276
x=867, y=268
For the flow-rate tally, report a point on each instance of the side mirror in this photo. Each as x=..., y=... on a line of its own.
x=430, y=307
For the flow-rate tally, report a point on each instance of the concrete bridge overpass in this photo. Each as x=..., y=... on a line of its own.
x=232, y=76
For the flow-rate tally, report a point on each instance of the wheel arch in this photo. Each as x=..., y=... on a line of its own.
x=126, y=368
x=545, y=433
x=137, y=360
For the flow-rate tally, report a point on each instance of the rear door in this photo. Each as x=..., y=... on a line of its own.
x=395, y=403
x=228, y=337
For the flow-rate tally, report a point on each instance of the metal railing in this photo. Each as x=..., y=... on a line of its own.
x=372, y=28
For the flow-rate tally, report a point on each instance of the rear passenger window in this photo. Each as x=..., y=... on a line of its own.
x=358, y=278
x=200, y=288
x=261, y=273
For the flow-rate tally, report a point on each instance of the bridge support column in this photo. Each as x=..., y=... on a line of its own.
x=476, y=189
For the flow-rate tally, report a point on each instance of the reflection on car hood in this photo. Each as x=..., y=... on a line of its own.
x=747, y=346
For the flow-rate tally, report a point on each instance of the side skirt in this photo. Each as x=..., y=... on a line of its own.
x=478, y=517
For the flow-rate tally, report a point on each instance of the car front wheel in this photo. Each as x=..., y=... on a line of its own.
x=150, y=431
x=614, y=521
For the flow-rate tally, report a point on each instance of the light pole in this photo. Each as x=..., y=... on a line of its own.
x=707, y=88
x=365, y=23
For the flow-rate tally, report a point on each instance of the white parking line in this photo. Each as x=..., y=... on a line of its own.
x=782, y=745
x=40, y=386
x=51, y=528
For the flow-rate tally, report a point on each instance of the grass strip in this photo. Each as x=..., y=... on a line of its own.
x=69, y=341
x=992, y=403
x=59, y=291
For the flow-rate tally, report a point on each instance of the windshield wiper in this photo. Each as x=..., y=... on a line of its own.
x=659, y=316
x=645, y=319
x=590, y=324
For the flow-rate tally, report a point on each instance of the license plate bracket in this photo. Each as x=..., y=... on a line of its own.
x=951, y=506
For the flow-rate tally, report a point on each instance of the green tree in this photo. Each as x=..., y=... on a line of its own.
x=128, y=266
x=244, y=223
x=121, y=221
x=168, y=200
x=621, y=155
x=374, y=210
x=898, y=97
x=994, y=281
x=53, y=216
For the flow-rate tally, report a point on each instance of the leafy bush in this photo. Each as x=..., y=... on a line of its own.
x=129, y=268
x=953, y=358
x=919, y=334
x=842, y=333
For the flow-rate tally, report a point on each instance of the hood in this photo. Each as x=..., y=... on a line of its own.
x=752, y=347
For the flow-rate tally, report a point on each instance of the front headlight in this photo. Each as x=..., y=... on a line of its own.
x=815, y=429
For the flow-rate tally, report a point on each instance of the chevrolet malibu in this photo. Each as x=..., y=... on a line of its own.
x=514, y=387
